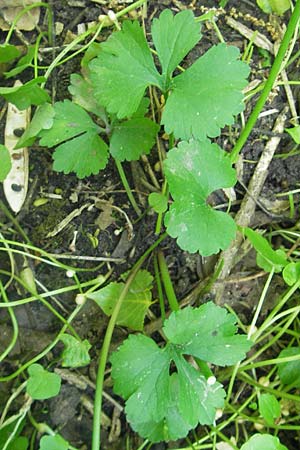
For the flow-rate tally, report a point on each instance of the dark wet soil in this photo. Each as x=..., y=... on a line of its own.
x=70, y=412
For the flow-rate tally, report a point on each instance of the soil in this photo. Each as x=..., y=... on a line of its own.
x=70, y=412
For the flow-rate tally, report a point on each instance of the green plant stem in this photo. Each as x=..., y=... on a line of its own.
x=275, y=69
x=36, y=54
x=95, y=29
x=14, y=221
x=127, y=188
x=46, y=350
x=43, y=301
x=96, y=440
x=24, y=11
x=95, y=283
x=260, y=304
x=174, y=305
x=159, y=290
x=164, y=191
x=14, y=325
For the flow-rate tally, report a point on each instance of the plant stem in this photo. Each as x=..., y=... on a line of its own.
x=127, y=188
x=159, y=290
x=45, y=351
x=24, y=11
x=14, y=324
x=174, y=305
x=106, y=344
x=275, y=69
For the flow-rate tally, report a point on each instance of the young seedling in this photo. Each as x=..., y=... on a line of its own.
x=198, y=103
x=164, y=404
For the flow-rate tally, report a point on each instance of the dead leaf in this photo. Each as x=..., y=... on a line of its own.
x=27, y=22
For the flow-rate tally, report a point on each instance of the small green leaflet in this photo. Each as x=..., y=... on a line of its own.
x=83, y=94
x=215, y=341
x=173, y=38
x=207, y=95
x=276, y=6
x=194, y=170
x=133, y=138
x=263, y=442
x=294, y=133
x=27, y=94
x=269, y=408
x=76, y=353
x=289, y=372
x=5, y=162
x=42, y=120
x=158, y=202
x=42, y=384
x=81, y=150
x=291, y=273
x=163, y=406
x=122, y=70
x=268, y=259
x=135, y=304
x=8, y=53
x=55, y=442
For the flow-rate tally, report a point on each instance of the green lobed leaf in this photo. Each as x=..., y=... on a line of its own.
x=8, y=53
x=173, y=38
x=85, y=155
x=207, y=95
x=158, y=202
x=27, y=94
x=76, y=353
x=70, y=120
x=208, y=333
x=133, y=138
x=194, y=170
x=123, y=70
x=42, y=384
x=135, y=304
x=161, y=405
x=269, y=257
x=291, y=273
x=55, y=442
x=83, y=94
x=5, y=162
x=84, y=152
x=269, y=408
x=263, y=442
x=289, y=372
x=42, y=120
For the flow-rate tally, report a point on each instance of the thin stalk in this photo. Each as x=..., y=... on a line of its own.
x=45, y=351
x=24, y=11
x=127, y=188
x=14, y=325
x=174, y=305
x=275, y=69
x=95, y=29
x=62, y=290
x=165, y=192
x=260, y=304
x=159, y=290
x=96, y=439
